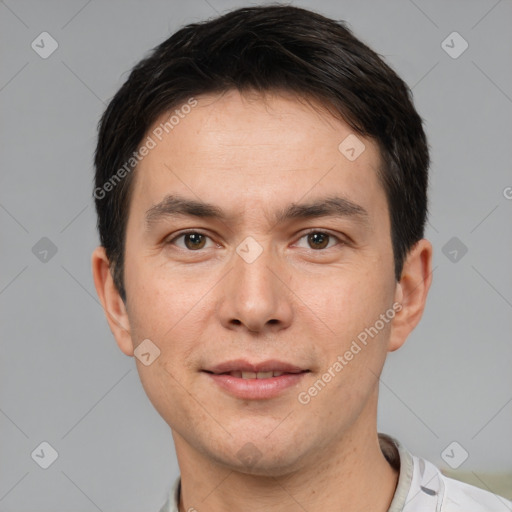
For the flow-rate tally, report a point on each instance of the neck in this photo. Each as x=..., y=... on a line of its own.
x=351, y=475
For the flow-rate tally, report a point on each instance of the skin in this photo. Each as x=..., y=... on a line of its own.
x=252, y=156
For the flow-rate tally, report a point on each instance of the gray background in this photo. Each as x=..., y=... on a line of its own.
x=63, y=379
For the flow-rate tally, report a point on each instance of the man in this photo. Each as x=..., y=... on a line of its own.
x=261, y=189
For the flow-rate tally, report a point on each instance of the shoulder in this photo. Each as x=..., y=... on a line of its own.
x=462, y=497
x=433, y=491
x=423, y=487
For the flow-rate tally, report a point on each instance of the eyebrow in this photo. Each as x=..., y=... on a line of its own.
x=331, y=206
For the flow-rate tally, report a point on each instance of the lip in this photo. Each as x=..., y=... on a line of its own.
x=255, y=389
x=271, y=365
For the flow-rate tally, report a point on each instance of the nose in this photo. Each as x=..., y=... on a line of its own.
x=254, y=295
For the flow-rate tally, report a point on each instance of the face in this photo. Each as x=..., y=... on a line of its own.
x=255, y=247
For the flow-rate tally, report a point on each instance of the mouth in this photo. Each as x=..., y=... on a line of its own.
x=243, y=369
x=255, y=381
x=256, y=375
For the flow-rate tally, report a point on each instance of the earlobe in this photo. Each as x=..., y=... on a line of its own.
x=411, y=292
x=113, y=305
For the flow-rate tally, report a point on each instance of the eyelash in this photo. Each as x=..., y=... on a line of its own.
x=199, y=232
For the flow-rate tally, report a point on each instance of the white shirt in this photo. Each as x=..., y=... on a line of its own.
x=421, y=487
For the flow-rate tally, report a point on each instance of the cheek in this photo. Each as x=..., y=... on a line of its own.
x=341, y=298
x=169, y=309
x=158, y=297
x=347, y=306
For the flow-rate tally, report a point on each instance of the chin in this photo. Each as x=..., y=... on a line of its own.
x=262, y=458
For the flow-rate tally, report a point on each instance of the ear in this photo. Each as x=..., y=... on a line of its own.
x=113, y=305
x=411, y=292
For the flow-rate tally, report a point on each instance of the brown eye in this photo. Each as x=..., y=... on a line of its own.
x=318, y=240
x=191, y=241
x=194, y=241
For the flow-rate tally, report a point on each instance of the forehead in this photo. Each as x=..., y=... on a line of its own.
x=252, y=149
